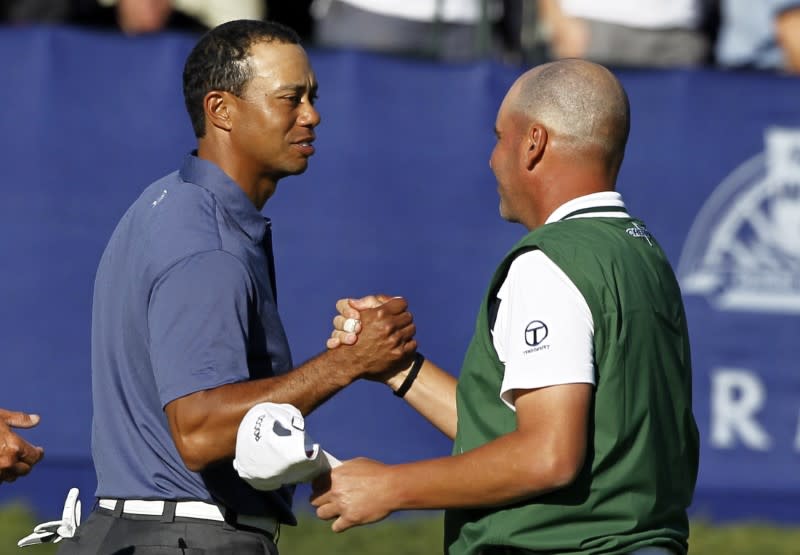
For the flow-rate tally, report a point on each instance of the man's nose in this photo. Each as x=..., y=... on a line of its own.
x=310, y=116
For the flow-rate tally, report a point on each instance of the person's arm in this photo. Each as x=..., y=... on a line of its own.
x=204, y=424
x=787, y=32
x=17, y=456
x=544, y=453
x=567, y=36
x=550, y=389
x=200, y=316
x=432, y=393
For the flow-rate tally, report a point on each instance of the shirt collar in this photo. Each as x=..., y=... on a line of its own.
x=593, y=200
x=227, y=193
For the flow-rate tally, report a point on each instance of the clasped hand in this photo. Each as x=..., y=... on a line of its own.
x=381, y=328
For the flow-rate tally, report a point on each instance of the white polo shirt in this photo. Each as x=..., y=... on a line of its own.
x=450, y=11
x=544, y=330
x=644, y=14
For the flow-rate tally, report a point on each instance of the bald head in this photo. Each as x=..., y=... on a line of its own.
x=581, y=103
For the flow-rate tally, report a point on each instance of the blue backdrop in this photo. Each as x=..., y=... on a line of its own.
x=399, y=199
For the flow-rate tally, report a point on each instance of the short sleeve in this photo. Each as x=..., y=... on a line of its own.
x=544, y=332
x=198, y=324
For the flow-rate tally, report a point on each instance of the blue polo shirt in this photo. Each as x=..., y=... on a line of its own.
x=183, y=301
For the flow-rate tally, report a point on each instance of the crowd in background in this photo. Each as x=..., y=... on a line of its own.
x=759, y=35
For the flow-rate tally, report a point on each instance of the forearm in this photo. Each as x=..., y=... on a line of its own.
x=433, y=395
x=472, y=479
x=205, y=424
x=544, y=453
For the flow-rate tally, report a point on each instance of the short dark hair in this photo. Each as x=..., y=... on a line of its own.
x=217, y=62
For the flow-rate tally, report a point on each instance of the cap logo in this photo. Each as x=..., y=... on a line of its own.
x=257, y=427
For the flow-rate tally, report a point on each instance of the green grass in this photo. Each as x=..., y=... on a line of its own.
x=16, y=522
x=421, y=534
x=743, y=539
x=417, y=534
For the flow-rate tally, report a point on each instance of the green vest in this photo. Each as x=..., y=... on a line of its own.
x=642, y=453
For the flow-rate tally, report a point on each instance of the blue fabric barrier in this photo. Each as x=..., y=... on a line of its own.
x=399, y=199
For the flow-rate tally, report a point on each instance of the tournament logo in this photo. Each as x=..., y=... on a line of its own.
x=743, y=250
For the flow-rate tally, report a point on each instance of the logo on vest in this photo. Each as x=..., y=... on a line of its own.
x=743, y=250
x=640, y=232
x=535, y=333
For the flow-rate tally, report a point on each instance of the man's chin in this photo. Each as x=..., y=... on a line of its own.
x=296, y=170
x=510, y=218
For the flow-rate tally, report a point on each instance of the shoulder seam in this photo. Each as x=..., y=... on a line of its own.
x=177, y=261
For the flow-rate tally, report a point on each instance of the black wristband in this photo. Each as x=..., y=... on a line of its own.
x=412, y=375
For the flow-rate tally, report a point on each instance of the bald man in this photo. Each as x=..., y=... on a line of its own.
x=572, y=414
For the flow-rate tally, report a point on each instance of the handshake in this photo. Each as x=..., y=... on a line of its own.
x=377, y=333
x=273, y=446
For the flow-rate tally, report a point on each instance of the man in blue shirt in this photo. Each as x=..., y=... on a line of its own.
x=186, y=335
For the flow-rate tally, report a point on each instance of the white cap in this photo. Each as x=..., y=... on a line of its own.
x=273, y=448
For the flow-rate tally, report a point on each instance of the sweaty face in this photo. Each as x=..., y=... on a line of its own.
x=506, y=163
x=275, y=118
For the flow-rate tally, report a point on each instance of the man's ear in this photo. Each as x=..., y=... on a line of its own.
x=537, y=141
x=219, y=107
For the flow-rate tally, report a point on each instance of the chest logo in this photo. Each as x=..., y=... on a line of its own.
x=640, y=232
x=161, y=197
